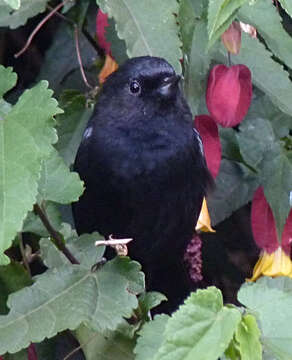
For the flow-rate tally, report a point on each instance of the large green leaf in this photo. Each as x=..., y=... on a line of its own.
x=151, y=338
x=148, y=27
x=270, y=301
x=264, y=16
x=68, y=295
x=260, y=148
x=57, y=183
x=287, y=5
x=201, y=329
x=234, y=188
x=109, y=345
x=14, y=4
x=26, y=135
x=19, y=17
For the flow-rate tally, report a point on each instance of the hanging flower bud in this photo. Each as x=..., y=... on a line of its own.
x=275, y=255
x=231, y=38
x=204, y=221
x=208, y=131
x=229, y=93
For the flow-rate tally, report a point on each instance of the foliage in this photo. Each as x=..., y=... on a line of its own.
x=104, y=305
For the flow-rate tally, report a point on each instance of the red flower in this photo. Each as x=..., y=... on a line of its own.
x=264, y=226
x=101, y=24
x=208, y=130
x=229, y=94
x=31, y=352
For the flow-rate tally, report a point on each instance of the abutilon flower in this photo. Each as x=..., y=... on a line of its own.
x=275, y=253
x=31, y=352
x=110, y=64
x=229, y=93
x=231, y=38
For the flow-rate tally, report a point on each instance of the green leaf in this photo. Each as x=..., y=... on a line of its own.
x=258, y=59
x=264, y=16
x=71, y=124
x=57, y=183
x=148, y=27
x=64, y=297
x=201, y=329
x=260, y=148
x=109, y=345
x=28, y=130
x=21, y=355
x=151, y=338
x=248, y=337
x=197, y=64
x=13, y=277
x=8, y=79
x=60, y=63
x=277, y=180
x=220, y=15
x=287, y=6
x=149, y=300
x=235, y=186
x=14, y=4
x=270, y=301
x=118, y=46
x=19, y=17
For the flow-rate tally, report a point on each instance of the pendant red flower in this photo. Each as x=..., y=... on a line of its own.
x=229, y=93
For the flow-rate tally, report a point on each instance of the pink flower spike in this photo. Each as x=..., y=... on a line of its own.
x=208, y=130
x=101, y=24
x=229, y=93
x=263, y=223
x=31, y=352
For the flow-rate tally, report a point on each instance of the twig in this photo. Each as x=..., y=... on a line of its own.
x=76, y=37
x=54, y=234
x=23, y=254
x=120, y=245
x=39, y=26
x=80, y=347
x=229, y=58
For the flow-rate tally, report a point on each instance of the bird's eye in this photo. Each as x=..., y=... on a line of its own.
x=135, y=87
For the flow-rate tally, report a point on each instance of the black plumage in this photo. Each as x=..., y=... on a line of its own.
x=144, y=171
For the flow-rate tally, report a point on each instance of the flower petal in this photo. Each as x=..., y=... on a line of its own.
x=287, y=234
x=276, y=264
x=101, y=24
x=263, y=223
x=208, y=130
x=109, y=67
x=204, y=221
x=229, y=93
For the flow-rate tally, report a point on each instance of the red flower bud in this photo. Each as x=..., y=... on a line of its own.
x=229, y=94
x=231, y=38
x=101, y=24
x=264, y=226
x=208, y=130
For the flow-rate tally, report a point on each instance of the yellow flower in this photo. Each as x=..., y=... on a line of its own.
x=275, y=264
x=204, y=222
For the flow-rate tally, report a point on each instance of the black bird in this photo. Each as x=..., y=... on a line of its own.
x=144, y=172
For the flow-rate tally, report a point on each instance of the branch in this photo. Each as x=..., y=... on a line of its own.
x=39, y=26
x=76, y=37
x=58, y=241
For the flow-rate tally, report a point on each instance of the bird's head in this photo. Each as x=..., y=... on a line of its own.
x=141, y=80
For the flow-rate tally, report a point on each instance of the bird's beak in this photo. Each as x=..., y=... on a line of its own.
x=168, y=87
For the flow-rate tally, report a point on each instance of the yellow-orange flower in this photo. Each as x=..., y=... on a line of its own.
x=109, y=67
x=204, y=222
x=275, y=264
